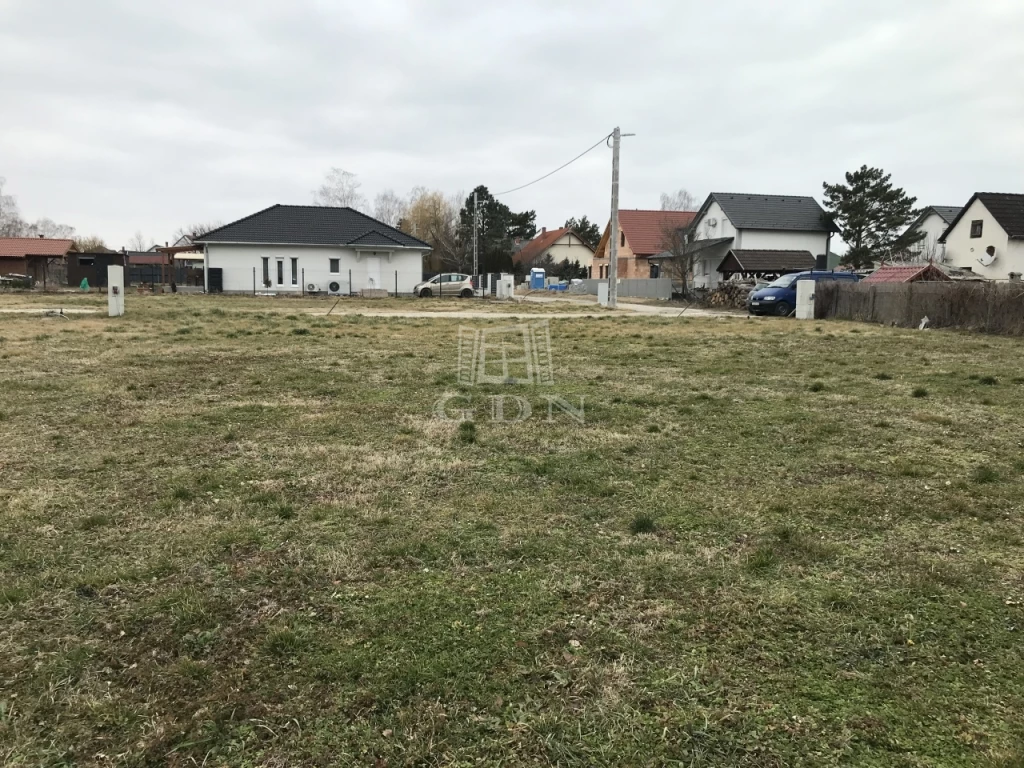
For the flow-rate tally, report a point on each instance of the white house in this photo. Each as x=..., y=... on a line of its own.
x=560, y=244
x=728, y=223
x=296, y=248
x=933, y=222
x=988, y=236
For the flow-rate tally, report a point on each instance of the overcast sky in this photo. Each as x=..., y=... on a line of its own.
x=120, y=115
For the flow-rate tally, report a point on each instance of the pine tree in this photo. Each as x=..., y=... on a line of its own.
x=589, y=232
x=872, y=216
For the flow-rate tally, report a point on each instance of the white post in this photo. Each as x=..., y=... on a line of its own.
x=805, y=299
x=115, y=290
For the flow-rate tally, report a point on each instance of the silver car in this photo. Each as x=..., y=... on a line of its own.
x=446, y=284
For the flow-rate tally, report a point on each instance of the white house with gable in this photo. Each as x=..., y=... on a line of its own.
x=765, y=224
x=933, y=222
x=987, y=236
x=311, y=249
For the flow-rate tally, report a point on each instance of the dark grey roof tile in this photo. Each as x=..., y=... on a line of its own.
x=781, y=212
x=311, y=225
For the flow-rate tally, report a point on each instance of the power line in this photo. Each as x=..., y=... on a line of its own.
x=599, y=143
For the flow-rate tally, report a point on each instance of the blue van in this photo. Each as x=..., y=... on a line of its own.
x=779, y=298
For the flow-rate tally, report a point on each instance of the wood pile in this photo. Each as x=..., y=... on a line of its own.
x=730, y=295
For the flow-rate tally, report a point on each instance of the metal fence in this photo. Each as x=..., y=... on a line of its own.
x=977, y=306
x=635, y=288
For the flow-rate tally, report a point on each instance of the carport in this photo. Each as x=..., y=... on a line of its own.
x=763, y=263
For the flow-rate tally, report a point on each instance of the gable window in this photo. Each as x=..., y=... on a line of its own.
x=622, y=239
x=295, y=271
x=335, y=266
x=976, y=227
x=266, y=271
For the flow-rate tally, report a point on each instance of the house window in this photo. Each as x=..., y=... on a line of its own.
x=86, y=261
x=335, y=266
x=622, y=239
x=295, y=271
x=976, y=227
x=266, y=270
x=280, y=271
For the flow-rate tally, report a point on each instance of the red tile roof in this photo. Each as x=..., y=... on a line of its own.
x=892, y=273
x=645, y=230
x=538, y=245
x=20, y=247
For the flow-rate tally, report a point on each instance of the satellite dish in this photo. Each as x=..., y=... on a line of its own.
x=988, y=256
x=712, y=222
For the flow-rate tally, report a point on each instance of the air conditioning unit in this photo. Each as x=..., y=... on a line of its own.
x=312, y=288
x=334, y=288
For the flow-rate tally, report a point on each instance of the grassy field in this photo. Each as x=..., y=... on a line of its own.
x=236, y=534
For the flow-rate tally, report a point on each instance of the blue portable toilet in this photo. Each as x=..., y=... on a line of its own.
x=537, y=276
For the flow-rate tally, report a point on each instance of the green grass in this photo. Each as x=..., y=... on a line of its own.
x=243, y=545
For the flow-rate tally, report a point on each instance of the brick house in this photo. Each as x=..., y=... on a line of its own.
x=642, y=234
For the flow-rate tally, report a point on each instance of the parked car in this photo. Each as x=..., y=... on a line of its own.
x=447, y=284
x=779, y=297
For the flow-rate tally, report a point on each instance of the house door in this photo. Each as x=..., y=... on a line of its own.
x=373, y=272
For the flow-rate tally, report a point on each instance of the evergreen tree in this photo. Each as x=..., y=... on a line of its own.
x=499, y=227
x=872, y=216
x=588, y=231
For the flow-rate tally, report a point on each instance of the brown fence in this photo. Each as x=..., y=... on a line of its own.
x=977, y=306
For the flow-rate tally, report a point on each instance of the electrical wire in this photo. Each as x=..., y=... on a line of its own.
x=603, y=140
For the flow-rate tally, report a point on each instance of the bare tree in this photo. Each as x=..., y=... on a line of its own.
x=48, y=228
x=389, y=208
x=680, y=200
x=340, y=189
x=90, y=244
x=680, y=256
x=434, y=218
x=139, y=242
x=186, y=234
x=11, y=224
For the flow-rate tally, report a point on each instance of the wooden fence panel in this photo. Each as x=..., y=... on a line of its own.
x=977, y=306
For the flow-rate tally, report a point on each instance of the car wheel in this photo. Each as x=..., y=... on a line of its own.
x=467, y=293
x=426, y=293
x=782, y=309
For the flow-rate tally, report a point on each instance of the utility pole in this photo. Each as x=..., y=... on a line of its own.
x=476, y=234
x=613, y=231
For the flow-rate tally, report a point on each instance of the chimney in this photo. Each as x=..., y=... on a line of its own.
x=40, y=237
x=543, y=230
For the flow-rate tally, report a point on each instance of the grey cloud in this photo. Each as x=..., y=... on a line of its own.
x=120, y=116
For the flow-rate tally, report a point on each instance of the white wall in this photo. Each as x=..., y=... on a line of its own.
x=962, y=250
x=238, y=262
x=705, y=231
x=705, y=272
x=570, y=247
x=929, y=247
x=777, y=240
